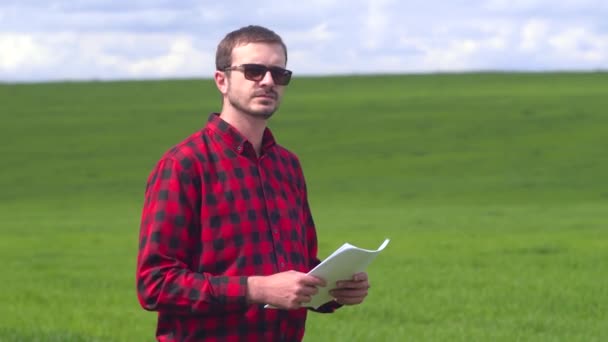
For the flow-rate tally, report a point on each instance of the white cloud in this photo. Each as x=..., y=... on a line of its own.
x=22, y=50
x=211, y=15
x=377, y=23
x=455, y=56
x=545, y=6
x=182, y=59
x=316, y=35
x=533, y=34
x=77, y=39
x=101, y=56
x=579, y=45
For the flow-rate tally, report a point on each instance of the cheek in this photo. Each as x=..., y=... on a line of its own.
x=232, y=92
x=239, y=89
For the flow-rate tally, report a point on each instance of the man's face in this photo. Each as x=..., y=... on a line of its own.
x=255, y=98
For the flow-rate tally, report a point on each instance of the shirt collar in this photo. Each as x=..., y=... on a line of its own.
x=233, y=138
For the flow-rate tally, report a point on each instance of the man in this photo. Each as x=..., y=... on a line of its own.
x=226, y=226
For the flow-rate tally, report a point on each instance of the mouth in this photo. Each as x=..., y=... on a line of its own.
x=266, y=98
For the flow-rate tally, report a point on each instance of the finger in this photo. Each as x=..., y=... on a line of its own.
x=312, y=291
x=308, y=291
x=313, y=281
x=360, y=276
x=304, y=299
x=300, y=301
x=353, y=284
x=350, y=301
x=348, y=293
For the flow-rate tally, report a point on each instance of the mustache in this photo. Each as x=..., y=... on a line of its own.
x=269, y=93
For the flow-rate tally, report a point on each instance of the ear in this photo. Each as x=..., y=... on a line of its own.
x=221, y=81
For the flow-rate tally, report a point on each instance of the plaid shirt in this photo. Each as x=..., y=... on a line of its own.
x=215, y=213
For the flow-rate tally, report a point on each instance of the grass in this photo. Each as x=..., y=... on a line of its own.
x=491, y=187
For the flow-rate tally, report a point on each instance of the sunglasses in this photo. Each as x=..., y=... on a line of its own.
x=256, y=72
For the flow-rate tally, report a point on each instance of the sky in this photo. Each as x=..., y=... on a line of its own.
x=46, y=40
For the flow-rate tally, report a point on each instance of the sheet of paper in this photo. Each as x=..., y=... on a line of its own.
x=342, y=264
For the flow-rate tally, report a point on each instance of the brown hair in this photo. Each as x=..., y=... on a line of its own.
x=242, y=36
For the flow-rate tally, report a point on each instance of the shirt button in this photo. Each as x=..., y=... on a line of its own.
x=239, y=148
x=282, y=264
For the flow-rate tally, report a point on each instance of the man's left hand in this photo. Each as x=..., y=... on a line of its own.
x=352, y=291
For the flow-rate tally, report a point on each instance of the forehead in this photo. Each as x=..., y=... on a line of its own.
x=260, y=53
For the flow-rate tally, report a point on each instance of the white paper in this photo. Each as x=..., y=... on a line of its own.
x=342, y=264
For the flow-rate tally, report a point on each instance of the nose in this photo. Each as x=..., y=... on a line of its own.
x=267, y=79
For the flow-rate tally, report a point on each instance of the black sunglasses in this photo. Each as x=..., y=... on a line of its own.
x=256, y=72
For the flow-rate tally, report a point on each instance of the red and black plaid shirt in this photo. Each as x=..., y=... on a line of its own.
x=215, y=213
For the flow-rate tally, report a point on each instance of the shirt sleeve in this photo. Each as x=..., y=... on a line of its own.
x=169, y=248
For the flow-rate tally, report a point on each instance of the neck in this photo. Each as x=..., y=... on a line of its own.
x=249, y=126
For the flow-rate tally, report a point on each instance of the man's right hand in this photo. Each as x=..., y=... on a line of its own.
x=286, y=290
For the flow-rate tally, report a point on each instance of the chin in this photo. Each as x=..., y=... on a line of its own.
x=263, y=112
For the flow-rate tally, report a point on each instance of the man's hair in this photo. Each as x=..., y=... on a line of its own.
x=242, y=36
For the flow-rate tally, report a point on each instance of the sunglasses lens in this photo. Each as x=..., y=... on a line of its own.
x=280, y=76
x=254, y=72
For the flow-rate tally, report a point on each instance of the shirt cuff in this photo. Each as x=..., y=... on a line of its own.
x=233, y=290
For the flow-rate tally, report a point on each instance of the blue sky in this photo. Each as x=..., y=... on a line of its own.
x=95, y=39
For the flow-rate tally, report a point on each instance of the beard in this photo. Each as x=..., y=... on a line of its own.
x=243, y=104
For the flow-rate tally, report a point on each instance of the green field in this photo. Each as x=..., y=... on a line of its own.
x=492, y=187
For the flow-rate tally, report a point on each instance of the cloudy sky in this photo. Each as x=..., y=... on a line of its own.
x=96, y=39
